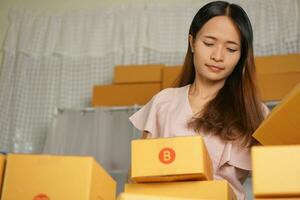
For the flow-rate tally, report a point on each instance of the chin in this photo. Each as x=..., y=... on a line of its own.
x=215, y=79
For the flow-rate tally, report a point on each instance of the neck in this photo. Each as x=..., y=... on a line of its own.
x=205, y=89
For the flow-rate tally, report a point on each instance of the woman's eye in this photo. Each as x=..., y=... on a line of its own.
x=208, y=44
x=231, y=50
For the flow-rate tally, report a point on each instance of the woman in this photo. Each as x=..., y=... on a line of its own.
x=216, y=95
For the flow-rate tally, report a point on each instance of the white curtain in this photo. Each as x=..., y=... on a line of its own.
x=52, y=60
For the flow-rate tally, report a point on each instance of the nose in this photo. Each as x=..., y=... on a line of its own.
x=217, y=54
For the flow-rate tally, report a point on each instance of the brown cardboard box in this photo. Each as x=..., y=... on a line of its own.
x=170, y=159
x=277, y=75
x=124, y=94
x=276, y=171
x=151, y=73
x=206, y=190
x=131, y=196
x=282, y=126
x=2, y=167
x=283, y=198
x=35, y=177
x=170, y=74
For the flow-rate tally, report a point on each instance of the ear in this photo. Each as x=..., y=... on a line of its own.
x=191, y=42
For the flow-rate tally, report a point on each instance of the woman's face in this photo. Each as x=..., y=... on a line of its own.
x=216, y=48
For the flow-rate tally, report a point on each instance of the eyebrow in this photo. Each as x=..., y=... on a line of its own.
x=231, y=42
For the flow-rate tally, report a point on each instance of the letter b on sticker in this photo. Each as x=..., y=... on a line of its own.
x=167, y=155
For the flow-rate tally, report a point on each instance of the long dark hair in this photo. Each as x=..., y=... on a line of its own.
x=236, y=111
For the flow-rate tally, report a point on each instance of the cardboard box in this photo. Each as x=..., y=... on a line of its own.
x=277, y=75
x=287, y=198
x=124, y=94
x=208, y=190
x=170, y=74
x=170, y=159
x=276, y=171
x=130, y=196
x=56, y=177
x=151, y=73
x=282, y=125
x=2, y=167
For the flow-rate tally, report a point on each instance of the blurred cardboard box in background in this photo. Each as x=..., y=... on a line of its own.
x=282, y=126
x=277, y=75
x=124, y=94
x=148, y=73
x=276, y=171
x=56, y=177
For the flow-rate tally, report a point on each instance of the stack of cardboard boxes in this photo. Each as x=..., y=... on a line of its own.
x=44, y=177
x=276, y=166
x=136, y=84
x=173, y=168
x=276, y=75
x=133, y=84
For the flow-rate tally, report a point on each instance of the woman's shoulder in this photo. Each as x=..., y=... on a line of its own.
x=147, y=118
x=168, y=94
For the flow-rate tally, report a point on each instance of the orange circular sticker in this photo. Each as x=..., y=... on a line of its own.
x=167, y=155
x=41, y=197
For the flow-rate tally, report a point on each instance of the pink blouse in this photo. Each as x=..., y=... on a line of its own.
x=167, y=115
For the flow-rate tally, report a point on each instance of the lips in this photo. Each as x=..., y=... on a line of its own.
x=215, y=68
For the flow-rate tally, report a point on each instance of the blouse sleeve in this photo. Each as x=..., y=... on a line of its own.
x=235, y=166
x=236, y=156
x=146, y=119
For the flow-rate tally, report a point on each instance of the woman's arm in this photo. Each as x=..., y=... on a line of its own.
x=146, y=135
